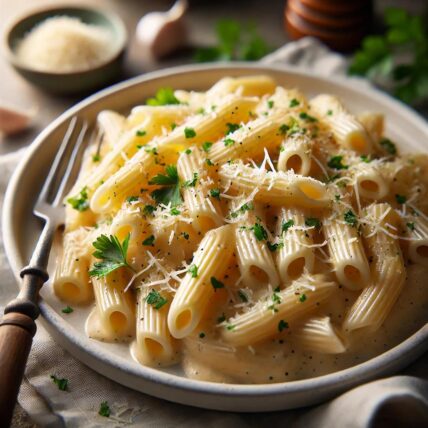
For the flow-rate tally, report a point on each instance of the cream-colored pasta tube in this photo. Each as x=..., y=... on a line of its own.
x=318, y=334
x=202, y=207
x=71, y=281
x=254, y=258
x=163, y=117
x=347, y=131
x=295, y=154
x=373, y=123
x=75, y=219
x=295, y=255
x=387, y=270
x=275, y=188
x=262, y=320
x=288, y=100
x=114, y=306
x=111, y=126
x=251, y=86
x=196, y=130
x=371, y=183
x=249, y=140
x=154, y=345
x=193, y=294
x=346, y=250
x=128, y=221
x=418, y=246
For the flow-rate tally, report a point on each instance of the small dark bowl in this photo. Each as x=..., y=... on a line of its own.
x=77, y=81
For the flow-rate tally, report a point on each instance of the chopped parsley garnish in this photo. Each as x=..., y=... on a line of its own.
x=365, y=158
x=186, y=236
x=104, y=409
x=294, y=103
x=232, y=127
x=313, y=222
x=400, y=199
x=259, y=232
x=275, y=299
x=209, y=163
x=148, y=209
x=189, y=133
x=228, y=142
x=221, y=318
x=350, y=218
x=67, y=310
x=171, y=190
x=283, y=129
x=206, y=146
x=337, y=197
x=111, y=253
x=193, y=270
x=273, y=246
x=152, y=150
x=96, y=157
x=242, y=209
x=215, y=193
x=192, y=182
x=141, y=133
x=411, y=226
x=302, y=298
x=282, y=325
x=388, y=146
x=175, y=211
x=201, y=334
x=336, y=163
x=286, y=225
x=149, y=241
x=62, y=384
x=130, y=199
x=200, y=110
x=80, y=202
x=155, y=299
x=188, y=151
x=305, y=116
x=329, y=112
x=164, y=96
x=173, y=126
x=242, y=296
x=216, y=283
x=230, y=327
x=270, y=104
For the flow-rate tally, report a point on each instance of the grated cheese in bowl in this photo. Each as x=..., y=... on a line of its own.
x=65, y=44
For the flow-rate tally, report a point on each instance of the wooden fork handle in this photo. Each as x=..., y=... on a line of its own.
x=16, y=335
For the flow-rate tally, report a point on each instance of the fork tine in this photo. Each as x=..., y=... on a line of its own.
x=73, y=164
x=57, y=163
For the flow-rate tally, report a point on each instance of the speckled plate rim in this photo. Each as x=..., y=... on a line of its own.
x=230, y=397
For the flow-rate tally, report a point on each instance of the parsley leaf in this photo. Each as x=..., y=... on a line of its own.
x=149, y=241
x=350, y=218
x=130, y=199
x=411, y=226
x=336, y=163
x=62, y=384
x=232, y=127
x=282, y=325
x=216, y=283
x=302, y=298
x=400, y=199
x=189, y=133
x=111, y=252
x=242, y=296
x=67, y=310
x=286, y=225
x=155, y=299
x=313, y=222
x=104, y=409
x=294, y=103
x=171, y=190
x=259, y=232
x=80, y=202
x=192, y=182
x=215, y=193
x=206, y=146
x=140, y=133
x=164, y=96
x=305, y=116
x=96, y=157
x=193, y=270
x=228, y=142
x=388, y=146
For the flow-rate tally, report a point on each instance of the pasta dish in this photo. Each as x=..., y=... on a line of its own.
x=248, y=233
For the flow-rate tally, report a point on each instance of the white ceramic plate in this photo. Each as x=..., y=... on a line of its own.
x=21, y=230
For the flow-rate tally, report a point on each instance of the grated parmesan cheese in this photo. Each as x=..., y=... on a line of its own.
x=65, y=44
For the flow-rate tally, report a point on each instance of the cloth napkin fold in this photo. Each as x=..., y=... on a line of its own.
x=392, y=402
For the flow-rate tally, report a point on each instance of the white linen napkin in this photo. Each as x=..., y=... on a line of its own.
x=395, y=401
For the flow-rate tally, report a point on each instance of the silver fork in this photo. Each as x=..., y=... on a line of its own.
x=17, y=327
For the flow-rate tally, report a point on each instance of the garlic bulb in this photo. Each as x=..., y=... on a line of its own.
x=160, y=33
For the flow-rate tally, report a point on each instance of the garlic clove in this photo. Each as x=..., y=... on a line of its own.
x=160, y=33
x=13, y=120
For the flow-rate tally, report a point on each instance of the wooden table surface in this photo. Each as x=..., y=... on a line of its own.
x=203, y=14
